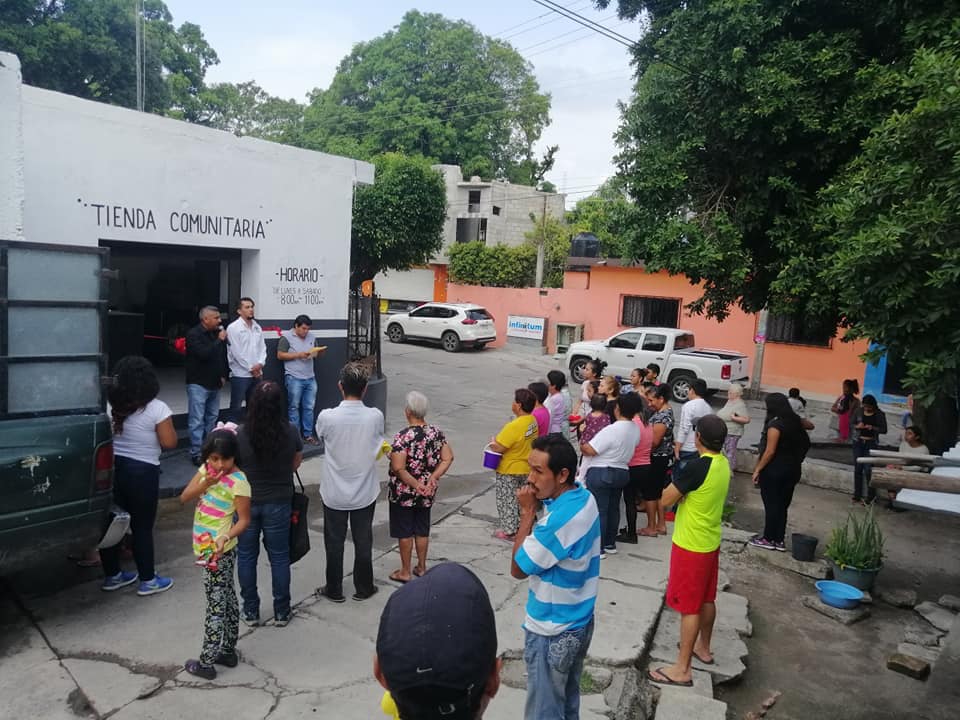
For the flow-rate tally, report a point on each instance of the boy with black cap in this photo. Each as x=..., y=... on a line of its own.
x=437, y=647
x=701, y=489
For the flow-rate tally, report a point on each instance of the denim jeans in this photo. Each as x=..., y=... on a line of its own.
x=862, y=474
x=301, y=399
x=554, y=665
x=240, y=389
x=203, y=407
x=136, y=488
x=273, y=520
x=606, y=484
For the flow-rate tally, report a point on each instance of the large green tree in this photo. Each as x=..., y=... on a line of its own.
x=397, y=221
x=744, y=150
x=247, y=109
x=87, y=48
x=437, y=88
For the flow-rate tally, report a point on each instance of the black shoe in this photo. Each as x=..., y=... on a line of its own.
x=321, y=592
x=360, y=597
x=627, y=537
x=195, y=667
x=228, y=659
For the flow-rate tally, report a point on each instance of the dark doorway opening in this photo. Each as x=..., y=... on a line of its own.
x=160, y=290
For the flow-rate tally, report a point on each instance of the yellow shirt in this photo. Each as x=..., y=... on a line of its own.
x=214, y=513
x=517, y=437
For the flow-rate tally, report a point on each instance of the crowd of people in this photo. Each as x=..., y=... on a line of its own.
x=565, y=471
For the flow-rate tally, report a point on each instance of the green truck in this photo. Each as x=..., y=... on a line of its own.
x=56, y=450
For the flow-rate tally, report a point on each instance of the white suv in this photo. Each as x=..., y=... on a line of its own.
x=453, y=325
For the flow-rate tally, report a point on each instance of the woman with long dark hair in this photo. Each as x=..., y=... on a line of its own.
x=783, y=446
x=270, y=450
x=142, y=428
x=593, y=370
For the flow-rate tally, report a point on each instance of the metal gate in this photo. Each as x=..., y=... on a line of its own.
x=363, y=331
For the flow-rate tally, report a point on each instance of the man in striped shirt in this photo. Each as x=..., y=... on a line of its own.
x=560, y=554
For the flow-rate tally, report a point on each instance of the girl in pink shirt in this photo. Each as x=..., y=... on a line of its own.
x=634, y=494
x=540, y=412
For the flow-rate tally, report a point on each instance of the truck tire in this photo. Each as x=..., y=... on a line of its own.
x=576, y=368
x=680, y=385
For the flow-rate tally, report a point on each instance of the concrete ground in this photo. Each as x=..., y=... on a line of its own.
x=68, y=650
x=825, y=669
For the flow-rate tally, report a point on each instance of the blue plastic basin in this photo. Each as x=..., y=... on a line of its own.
x=838, y=594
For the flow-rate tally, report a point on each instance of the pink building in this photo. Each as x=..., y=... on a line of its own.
x=606, y=299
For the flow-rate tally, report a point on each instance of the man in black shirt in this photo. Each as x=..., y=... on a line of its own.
x=206, y=371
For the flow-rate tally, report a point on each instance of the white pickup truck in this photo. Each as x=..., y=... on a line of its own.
x=673, y=350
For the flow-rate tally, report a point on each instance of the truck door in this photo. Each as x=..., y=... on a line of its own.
x=653, y=349
x=53, y=309
x=621, y=355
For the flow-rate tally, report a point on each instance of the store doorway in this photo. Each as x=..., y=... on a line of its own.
x=156, y=298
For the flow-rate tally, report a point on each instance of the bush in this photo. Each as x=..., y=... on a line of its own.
x=475, y=263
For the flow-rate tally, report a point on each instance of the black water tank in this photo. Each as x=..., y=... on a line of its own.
x=585, y=245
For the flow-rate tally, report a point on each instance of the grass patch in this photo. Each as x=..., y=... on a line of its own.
x=588, y=685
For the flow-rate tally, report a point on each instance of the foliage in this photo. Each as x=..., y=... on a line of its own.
x=555, y=235
x=87, y=49
x=893, y=220
x=858, y=543
x=247, y=109
x=437, y=88
x=797, y=157
x=606, y=214
x=397, y=221
x=475, y=263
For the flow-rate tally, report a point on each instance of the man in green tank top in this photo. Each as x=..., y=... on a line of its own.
x=701, y=489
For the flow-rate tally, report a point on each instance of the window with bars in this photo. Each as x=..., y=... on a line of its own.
x=473, y=201
x=640, y=311
x=797, y=330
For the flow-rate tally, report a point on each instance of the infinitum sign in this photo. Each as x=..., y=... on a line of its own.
x=521, y=326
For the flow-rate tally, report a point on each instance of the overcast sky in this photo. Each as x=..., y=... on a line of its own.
x=290, y=47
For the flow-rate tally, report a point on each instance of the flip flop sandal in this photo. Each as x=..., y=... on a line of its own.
x=665, y=679
x=418, y=572
x=402, y=581
x=644, y=533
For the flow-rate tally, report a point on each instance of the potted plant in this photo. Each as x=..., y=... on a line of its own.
x=855, y=550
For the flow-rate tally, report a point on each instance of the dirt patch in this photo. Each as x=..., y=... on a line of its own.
x=825, y=669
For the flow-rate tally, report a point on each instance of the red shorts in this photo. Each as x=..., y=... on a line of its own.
x=693, y=579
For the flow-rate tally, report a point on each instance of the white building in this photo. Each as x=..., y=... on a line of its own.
x=192, y=216
x=494, y=212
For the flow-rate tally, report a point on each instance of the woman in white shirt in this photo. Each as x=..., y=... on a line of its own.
x=605, y=461
x=142, y=428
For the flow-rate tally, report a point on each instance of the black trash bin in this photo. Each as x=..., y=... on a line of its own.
x=804, y=547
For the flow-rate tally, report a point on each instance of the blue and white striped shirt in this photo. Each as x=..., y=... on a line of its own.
x=562, y=558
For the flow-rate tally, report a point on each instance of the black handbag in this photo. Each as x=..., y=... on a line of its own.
x=299, y=528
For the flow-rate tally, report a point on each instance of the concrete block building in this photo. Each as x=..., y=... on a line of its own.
x=493, y=212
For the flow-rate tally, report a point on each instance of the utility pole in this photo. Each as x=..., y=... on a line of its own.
x=761, y=342
x=541, y=246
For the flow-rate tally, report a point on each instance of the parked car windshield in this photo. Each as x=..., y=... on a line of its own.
x=479, y=314
x=682, y=342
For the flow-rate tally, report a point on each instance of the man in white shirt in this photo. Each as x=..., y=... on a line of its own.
x=351, y=434
x=685, y=434
x=246, y=354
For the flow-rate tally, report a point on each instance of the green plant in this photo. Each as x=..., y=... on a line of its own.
x=858, y=543
x=588, y=685
x=728, y=511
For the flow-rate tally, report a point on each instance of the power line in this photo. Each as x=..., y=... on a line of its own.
x=587, y=23
x=503, y=33
x=568, y=42
x=557, y=37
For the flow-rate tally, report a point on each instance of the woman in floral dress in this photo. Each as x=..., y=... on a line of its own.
x=419, y=457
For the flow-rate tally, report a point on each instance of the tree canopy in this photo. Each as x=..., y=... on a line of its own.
x=607, y=214
x=87, y=49
x=438, y=88
x=766, y=147
x=397, y=221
